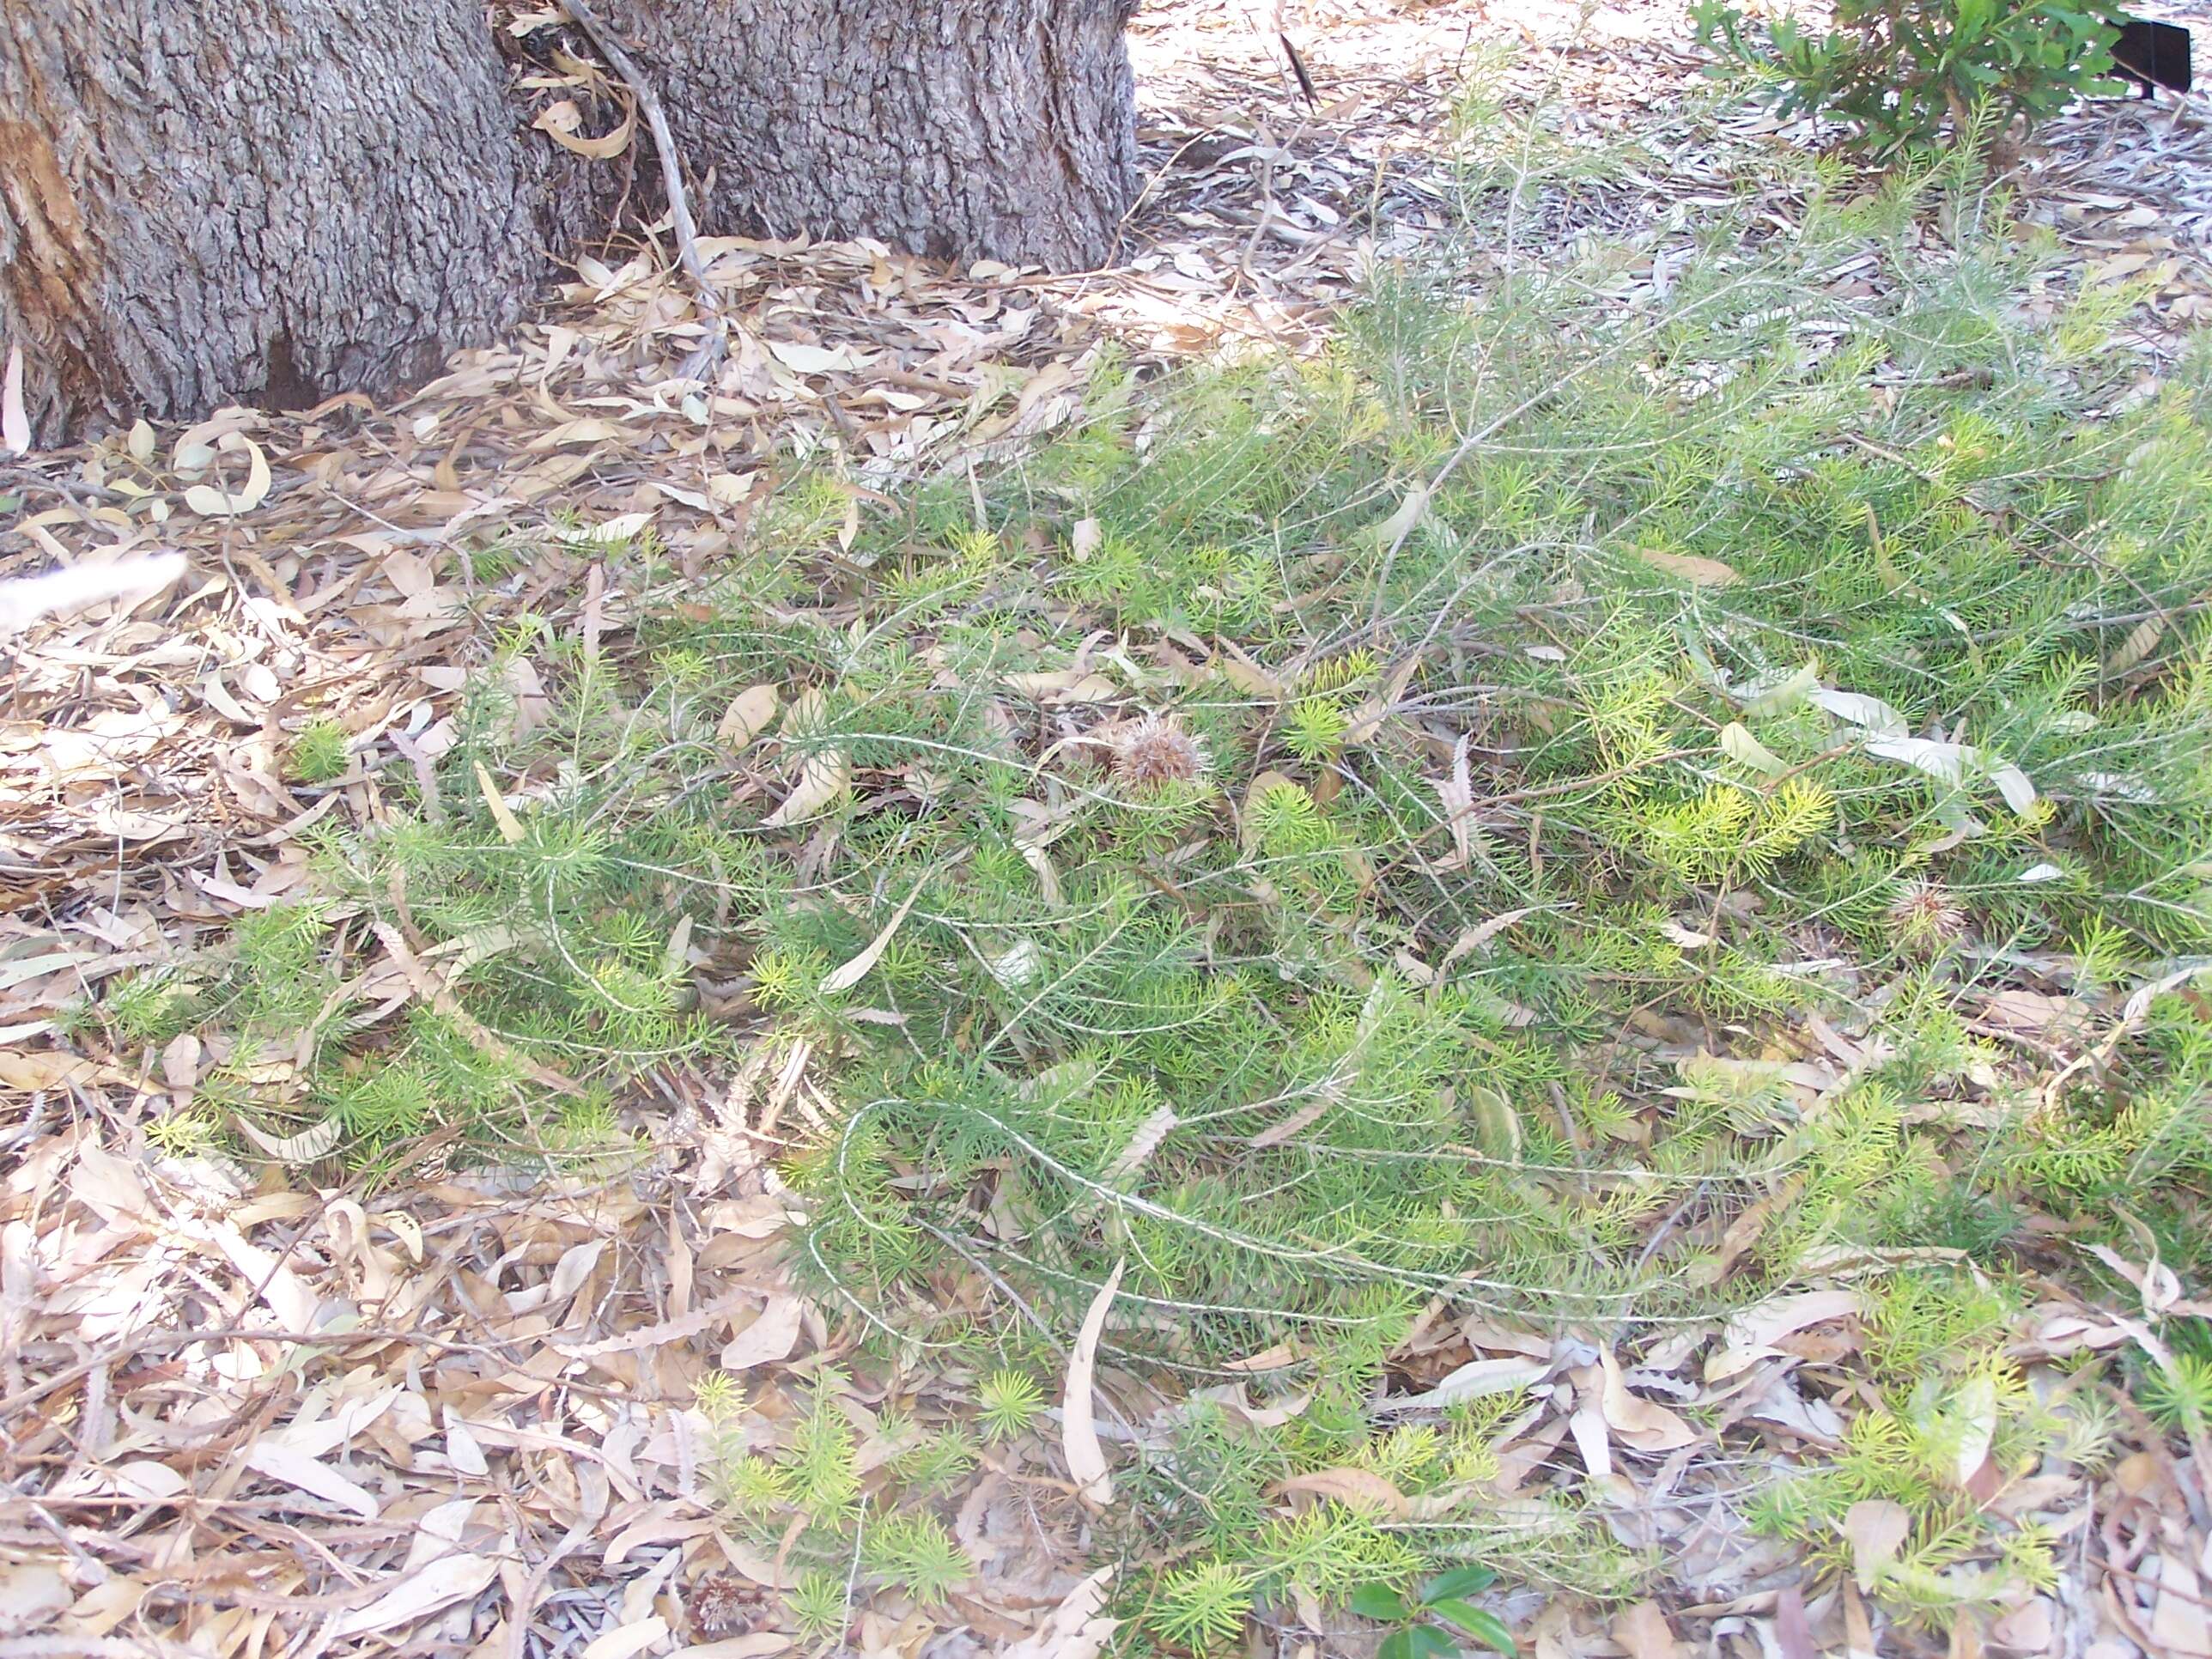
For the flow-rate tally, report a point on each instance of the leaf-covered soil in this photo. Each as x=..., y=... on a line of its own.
x=256, y=1400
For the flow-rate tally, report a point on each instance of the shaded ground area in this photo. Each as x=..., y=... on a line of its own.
x=254, y=1416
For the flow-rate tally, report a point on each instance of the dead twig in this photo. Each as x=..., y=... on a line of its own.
x=700, y=363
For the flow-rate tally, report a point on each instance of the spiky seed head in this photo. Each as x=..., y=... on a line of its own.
x=1925, y=917
x=723, y=1604
x=1157, y=750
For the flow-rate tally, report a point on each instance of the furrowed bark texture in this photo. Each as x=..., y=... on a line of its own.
x=1003, y=128
x=273, y=201
x=266, y=201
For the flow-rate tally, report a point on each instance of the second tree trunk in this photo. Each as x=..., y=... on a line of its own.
x=959, y=128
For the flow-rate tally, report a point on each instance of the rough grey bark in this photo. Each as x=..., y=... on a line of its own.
x=273, y=201
x=267, y=201
x=1005, y=129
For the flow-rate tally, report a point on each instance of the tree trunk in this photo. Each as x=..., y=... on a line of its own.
x=273, y=201
x=267, y=202
x=1003, y=128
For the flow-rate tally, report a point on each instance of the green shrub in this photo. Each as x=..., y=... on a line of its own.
x=1906, y=73
x=1273, y=909
x=318, y=753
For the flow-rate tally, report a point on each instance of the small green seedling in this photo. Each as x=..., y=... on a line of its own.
x=1444, y=1597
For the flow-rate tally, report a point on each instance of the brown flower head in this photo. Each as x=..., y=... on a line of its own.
x=723, y=1604
x=1925, y=917
x=1156, y=750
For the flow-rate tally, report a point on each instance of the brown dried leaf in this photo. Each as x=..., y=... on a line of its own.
x=824, y=781
x=769, y=1338
x=748, y=716
x=444, y=1580
x=1073, y=1629
x=1694, y=568
x=1876, y=1530
x=15, y=422
x=1643, y=1424
x=1359, y=1489
x=212, y=503
x=1078, y=1428
x=563, y=122
x=845, y=978
x=1748, y=1335
x=1643, y=1632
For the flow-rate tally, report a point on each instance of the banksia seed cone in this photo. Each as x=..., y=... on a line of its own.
x=723, y=1604
x=1157, y=750
x=1925, y=918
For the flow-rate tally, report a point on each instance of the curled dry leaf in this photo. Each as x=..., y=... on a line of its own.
x=2036, y=1013
x=1771, y=693
x=823, y=782
x=1492, y=1114
x=1642, y=1424
x=563, y=123
x=1643, y=1632
x=1876, y=1530
x=747, y=717
x=1073, y=1629
x=1872, y=713
x=1366, y=720
x=180, y=1062
x=613, y=533
x=1300, y=1120
x=1062, y=685
x=1359, y=1489
x=1141, y=1146
x=15, y=423
x=1078, y=1427
x=2158, y=1284
x=447, y=1579
x=1474, y=937
x=510, y=827
x=1456, y=794
x=1586, y=1423
x=1949, y=762
x=845, y=978
x=305, y=1147
x=768, y=1338
x=2141, y=641
x=1473, y=1380
x=1693, y=568
x=1974, y=1410
x=1390, y=531
x=212, y=503
x=297, y=1467
x=807, y=359
x=1235, y=666
x=1746, y=1338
